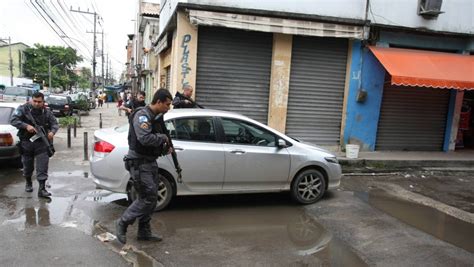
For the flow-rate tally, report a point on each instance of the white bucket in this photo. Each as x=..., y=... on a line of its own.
x=352, y=151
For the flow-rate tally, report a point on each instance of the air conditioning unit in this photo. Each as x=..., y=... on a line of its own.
x=429, y=9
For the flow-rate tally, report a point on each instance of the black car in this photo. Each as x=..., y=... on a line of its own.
x=60, y=105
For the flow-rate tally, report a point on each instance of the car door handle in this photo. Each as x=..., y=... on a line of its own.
x=177, y=148
x=237, y=152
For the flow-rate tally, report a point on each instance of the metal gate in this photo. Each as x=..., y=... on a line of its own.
x=412, y=118
x=233, y=71
x=315, y=101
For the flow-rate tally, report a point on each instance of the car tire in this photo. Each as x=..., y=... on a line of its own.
x=165, y=193
x=308, y=186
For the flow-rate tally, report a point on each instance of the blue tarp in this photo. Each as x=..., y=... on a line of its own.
x=117, y=87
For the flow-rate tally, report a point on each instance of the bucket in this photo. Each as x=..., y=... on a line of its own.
x=352, y=151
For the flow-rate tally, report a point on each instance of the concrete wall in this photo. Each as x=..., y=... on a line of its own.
x=184, y=54
x=403, y=13
x=361, y=118
x=280, y=81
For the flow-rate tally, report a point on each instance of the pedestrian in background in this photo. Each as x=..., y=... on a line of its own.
x=32, y=148
x=184, y=100
x=134, y=103
x=119, y=105
x=147, y=142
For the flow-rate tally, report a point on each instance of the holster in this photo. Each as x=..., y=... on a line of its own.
x=133, y=167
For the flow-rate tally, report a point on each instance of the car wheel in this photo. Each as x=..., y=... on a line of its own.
x=165, y=193
x=308, y=186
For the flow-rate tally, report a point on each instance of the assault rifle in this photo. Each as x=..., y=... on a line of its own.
x=174, y=156
x=189, y=99
x=40, y=133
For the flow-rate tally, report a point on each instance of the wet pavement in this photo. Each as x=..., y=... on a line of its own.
x=362, y=224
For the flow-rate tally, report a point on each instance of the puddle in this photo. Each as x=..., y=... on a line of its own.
x=266, y=235
x=424, y=218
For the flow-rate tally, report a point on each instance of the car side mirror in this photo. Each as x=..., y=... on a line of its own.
x=282, y=143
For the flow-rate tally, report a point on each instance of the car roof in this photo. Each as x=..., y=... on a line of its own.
x=199, y=112
x=11, y=105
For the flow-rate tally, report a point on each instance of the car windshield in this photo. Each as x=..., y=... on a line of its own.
x=5, y=113
x=57, y=100
x=16, y=91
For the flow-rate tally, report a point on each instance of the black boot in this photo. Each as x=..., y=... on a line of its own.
x=121, y=231
x=145, y=234
x=29, y=185
x=42, y=190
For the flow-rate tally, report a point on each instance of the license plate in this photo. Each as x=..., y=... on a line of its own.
x=55, y=110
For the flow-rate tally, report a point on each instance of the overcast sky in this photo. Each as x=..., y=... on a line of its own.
x=21, y=21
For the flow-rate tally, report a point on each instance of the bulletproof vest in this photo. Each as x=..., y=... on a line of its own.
x=40, y=118
x=137, y=146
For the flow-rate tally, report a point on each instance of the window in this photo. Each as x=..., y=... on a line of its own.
x=5, y=114
x=241, y=132
x=192, y=129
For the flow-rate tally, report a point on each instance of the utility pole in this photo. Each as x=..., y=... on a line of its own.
x=10, y=60
x=94, y=62
x=107, y=70
x=103, y=58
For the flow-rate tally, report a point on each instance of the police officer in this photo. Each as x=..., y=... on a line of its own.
x=34, y=149
x=184, y=100
x=147, y=142
x=134, y=103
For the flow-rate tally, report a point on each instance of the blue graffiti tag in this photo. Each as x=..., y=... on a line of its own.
x=185, y=69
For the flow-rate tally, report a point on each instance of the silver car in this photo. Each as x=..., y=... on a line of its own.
x=221, y=153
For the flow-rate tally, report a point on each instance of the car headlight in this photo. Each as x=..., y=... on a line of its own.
x=332, y=160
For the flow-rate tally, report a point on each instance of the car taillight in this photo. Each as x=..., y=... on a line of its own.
x=103, y=147
x=6, y=139
x=66, y=106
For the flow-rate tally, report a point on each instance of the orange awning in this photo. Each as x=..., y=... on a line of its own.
x=410, y=67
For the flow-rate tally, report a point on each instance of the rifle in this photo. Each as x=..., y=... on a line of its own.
x=174, y=156
x=40, y=133
x=189, y=99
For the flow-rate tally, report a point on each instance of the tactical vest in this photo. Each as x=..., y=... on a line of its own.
x=137, y=146
x=40, y=119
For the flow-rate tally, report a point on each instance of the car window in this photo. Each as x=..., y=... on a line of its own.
x=192, y=129
x=242, y=132
x=5, y=113
x=17, y=91
x=57, y=100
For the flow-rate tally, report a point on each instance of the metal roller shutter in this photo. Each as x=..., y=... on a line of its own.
x=318, y=72
x=233, y=71
x=412, y=118
x=168, y=78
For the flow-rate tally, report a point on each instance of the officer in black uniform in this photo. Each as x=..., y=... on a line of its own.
x=147, y=142
x=134, y=103
x=184, y=100
x=31, y=149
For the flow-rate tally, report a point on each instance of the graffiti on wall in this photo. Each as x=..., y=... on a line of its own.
x=185, y=69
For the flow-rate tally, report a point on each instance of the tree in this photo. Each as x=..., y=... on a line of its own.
x=85, y=78
x=63, y=60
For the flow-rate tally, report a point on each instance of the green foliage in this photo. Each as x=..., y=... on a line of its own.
x=65, y=121
x=82, y=104
x=63, y=60
x=85, y=78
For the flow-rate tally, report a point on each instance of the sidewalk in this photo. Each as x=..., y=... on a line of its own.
x=387, y=161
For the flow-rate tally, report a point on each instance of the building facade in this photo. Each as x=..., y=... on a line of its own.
x=311, y=70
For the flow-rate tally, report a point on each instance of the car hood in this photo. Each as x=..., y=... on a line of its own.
x=315, y=147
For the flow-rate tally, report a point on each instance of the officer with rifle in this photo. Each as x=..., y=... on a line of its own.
x=147, y=141
x=184, y=100
x=36, y=129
